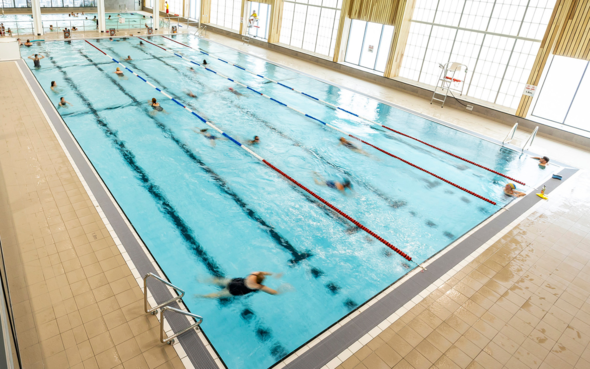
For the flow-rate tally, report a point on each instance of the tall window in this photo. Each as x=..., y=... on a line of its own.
x=195, y=9
x=368, y=44
x=226, y=13
x=258, y=25
x=311, y=25
x=498, y=40
x=564, y=95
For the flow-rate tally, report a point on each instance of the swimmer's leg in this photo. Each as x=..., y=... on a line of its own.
x=216, y=295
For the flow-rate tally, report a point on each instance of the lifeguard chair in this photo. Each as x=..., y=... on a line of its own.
x=452, y=78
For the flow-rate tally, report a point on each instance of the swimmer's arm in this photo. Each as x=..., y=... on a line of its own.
x=32, y=57
x=269, y=290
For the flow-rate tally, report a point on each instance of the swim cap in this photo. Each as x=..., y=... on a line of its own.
x=512, y=185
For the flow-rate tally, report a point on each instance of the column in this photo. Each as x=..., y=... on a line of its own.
x=102, y=27
x=403, y=17
x=342, y=34
x=37, y=21
x=156, y=14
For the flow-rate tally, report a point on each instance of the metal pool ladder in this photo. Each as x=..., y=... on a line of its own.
x=163, y=308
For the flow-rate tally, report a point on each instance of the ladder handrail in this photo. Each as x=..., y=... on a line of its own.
x=531, y=139
x=511, y=134
x=170, y=340
x=145, y=294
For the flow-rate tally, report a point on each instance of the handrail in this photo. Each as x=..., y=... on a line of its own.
x=511, y=134
x=8, y=302
x=170, y=340
x=531, y=139
x=154, y=310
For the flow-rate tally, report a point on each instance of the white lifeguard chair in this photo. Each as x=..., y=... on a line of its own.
x=452, y=78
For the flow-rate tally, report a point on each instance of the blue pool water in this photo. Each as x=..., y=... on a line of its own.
x=208, y=209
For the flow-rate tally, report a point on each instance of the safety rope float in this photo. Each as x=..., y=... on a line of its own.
x=210, y=124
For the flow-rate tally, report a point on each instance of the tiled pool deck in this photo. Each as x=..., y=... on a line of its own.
x=77, y=304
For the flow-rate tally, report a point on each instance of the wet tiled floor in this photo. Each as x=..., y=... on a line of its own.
x=523, y=303
x=75, y=301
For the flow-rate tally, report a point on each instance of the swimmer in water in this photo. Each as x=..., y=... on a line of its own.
x=63, y=103
x=235, y=92
x=192, y=70
x=349, y=145
x=542, y=161
x=119, y=72
x=28, y=43
x=141, y=43
x=128, y=57
x=37, y=60
x=254, y=141
x=54, y=87
x=510, y=190
x=209, y=136
x=204, y=62
x=340, y=186
x=156, y=106
x=190, y=94
x=244, y=286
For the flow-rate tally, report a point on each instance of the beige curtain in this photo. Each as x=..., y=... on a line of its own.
x=376, y=11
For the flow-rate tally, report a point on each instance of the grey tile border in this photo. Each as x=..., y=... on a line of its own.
x=190, y=341
x=338, y=341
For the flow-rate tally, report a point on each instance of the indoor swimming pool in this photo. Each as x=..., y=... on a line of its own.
x=206, y=208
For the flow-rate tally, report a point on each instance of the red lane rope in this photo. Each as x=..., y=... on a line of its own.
x=386, y=243
x=453, y=155
x=95, y=47
x=413, y=138
x=151, y=43
x=425, y=171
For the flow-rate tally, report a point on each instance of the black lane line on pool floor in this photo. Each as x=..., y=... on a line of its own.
x=190, y=341
x=334, y=344
x=261, y=332
x=307, y=198
x=316, y=273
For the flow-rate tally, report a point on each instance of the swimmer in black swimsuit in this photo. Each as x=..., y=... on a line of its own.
x=63, y=103
x=204, y=62
x=36, y=60
x=245, y=286
x=154, y=104
x=349, y=145
x=340, y=186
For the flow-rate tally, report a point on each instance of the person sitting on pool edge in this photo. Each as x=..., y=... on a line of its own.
x=244, y=286
x=510, y=190
x=542, y=161
x=340, y=186
x=63, y=103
